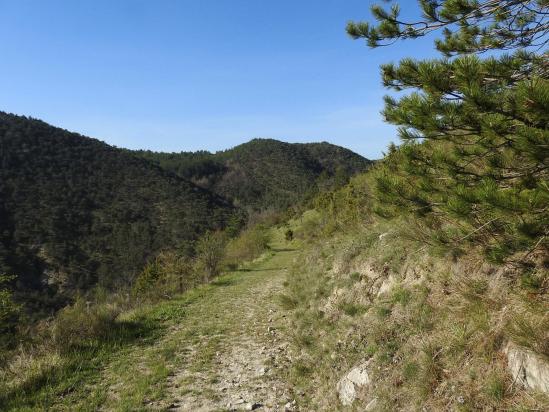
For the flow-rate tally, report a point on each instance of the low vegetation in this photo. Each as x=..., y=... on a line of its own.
x=55, y=357
x=434, y=329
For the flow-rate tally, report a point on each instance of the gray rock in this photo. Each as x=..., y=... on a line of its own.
x=289, y=407
x=371, y=405
x=528, y=368
x=348, y=385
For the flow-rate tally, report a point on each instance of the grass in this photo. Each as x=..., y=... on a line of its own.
x=435, y=339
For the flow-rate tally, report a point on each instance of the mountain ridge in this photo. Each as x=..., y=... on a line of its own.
x=290, y=171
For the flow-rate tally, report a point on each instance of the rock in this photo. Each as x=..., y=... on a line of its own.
x=528, y=368
x=371, y=405
x=348, y=385
x=387, y=285
x=383, y=235
x=289, y=407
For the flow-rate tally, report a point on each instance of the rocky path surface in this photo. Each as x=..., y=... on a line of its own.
x=249, y=355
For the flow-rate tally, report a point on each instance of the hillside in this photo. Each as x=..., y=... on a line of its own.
x=75, y=212
x=265, y=173
x=350, y=320
x=205, y=350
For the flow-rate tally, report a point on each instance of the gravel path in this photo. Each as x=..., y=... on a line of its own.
x=249, y=360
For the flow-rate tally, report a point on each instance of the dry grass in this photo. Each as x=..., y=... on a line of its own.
x=435, y=337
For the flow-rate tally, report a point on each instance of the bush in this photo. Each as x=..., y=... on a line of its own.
x=166, y=275
x=249, y=245
x=82, y=324
x=289, y=235
x=210, y=251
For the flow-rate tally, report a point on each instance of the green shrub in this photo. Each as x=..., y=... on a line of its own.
x=84, y=323
x=251, y=244
x=210, y=252
x=289, y=235
x=149, y=277
x=166, y=275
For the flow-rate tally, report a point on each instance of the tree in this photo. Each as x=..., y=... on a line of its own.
x=474, y=162
x=165, y=275
x=289, y=235
x=210, y=250
x=468, y=26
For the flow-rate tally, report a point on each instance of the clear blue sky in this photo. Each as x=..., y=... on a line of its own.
x=174, y=75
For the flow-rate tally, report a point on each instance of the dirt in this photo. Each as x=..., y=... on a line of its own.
x=247, y=370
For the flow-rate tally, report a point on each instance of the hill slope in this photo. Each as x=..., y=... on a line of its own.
x=265, y=173
x=75, y=212
x=196, y=352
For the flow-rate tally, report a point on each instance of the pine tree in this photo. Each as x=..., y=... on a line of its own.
x=474, y=159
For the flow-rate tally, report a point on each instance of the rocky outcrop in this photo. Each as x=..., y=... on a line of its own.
x=528, y=368
x=350, y=384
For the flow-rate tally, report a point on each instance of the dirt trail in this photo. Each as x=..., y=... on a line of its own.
x=246, y=356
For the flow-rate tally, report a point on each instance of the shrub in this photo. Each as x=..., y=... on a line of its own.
x=82, y=324
x=166, y=275
x=249, y=245
x=149, y=277
x=289, y=235
x=210, y=251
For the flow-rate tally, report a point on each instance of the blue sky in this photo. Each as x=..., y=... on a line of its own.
x=173, y=75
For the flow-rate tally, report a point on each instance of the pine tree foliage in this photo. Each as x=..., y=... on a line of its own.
x=468, y=26
x=474, y=163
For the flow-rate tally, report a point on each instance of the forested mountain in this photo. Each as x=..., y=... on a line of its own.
x=76, y=212
x=265, y=173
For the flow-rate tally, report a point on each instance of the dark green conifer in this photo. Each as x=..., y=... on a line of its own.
x=474, y=159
